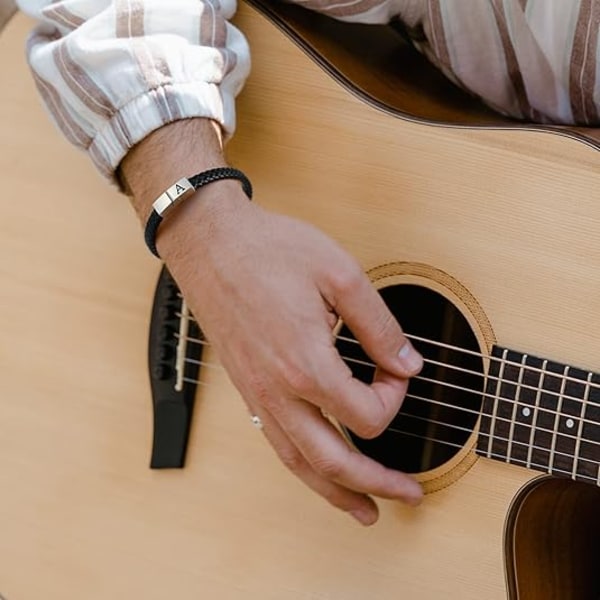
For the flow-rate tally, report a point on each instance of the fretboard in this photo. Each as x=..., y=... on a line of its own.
x=542, y=415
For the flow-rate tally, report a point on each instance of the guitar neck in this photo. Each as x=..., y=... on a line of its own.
x=542, y=415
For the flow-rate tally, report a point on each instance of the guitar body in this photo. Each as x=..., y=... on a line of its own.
x=503, y=223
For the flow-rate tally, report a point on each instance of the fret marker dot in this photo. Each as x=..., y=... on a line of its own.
x=526, y=411
x=570, y=423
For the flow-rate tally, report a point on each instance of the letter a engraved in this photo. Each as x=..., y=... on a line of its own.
x=179, y=189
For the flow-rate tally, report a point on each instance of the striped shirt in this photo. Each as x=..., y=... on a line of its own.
x=112, y=71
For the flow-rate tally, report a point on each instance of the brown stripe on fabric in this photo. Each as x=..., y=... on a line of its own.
x=340, y=10
x=173, y=110
x=208, y=24
x=152, y=76
x=512, y=64
x=213, y=32
x=129, y=18
x=582, y=73
x=80, y=83
x=171, y=98
x=158, y=99
x=230, y=61
x=438, y=34
x=154, y=71
x=119, y=130
x=70, y=129
x=62, y=16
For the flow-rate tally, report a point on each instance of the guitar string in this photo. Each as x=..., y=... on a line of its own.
x=498, y=438
x=482, y=434
x=453, y=367
x=545, y=468
x=459, y=350
x=558, y=377
x=496, y=455
x=445, y=384
x=430, y=401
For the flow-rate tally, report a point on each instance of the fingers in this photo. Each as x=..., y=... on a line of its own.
x=365, y=409
x=332, y=458
x=315, y=452
x=357, y=302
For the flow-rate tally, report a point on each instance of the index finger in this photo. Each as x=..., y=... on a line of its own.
x=365, y=313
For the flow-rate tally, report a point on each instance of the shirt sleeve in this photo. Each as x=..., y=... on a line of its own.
x=112, y=71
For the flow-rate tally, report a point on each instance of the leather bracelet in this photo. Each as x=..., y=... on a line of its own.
x=180, y=190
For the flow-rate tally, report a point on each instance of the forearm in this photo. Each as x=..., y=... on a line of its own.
x=177, y=150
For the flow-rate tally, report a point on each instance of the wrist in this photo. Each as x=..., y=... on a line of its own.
x=179, y=149
x=202, y=218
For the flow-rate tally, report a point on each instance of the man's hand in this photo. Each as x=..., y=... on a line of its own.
x=267, y=291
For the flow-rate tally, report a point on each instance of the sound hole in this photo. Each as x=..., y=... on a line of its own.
x=443, y=401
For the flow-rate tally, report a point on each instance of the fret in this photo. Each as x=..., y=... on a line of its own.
x=530, y=379
x=534, y=415
x=496, y=396
x=588, y=456
x=584, y=403
x=556, y=417
x=543, y=424
x=510, y=390
x=513, y=417
x=541, y=415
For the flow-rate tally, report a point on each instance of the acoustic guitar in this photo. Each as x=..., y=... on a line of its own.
x=480, y=233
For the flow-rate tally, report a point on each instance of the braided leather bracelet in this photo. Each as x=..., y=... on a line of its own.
x=180, y=190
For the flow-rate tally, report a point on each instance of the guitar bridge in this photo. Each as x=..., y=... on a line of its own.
x=174, y=354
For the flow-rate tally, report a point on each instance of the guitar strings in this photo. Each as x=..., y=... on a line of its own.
x=546, y=468
x=458, y=349
x=498, y=438
x=496, y=455
x=465, y=351
x=481, y=434
x=513, y=401
x=432, y=402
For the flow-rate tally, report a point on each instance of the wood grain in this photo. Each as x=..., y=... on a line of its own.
x=511, y=215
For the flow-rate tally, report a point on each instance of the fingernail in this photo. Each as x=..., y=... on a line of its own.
x=411, y=360
x=364, y=516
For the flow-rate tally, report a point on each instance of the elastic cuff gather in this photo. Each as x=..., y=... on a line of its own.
x=152, y=110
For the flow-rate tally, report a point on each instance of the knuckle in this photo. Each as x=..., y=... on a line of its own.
x=371, y=428
x=300, y=379
x=272, y=403
x=327, y=467
x=260, y=391
x=348, y=279
x=293, y=461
